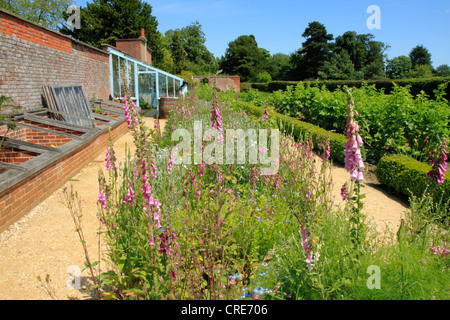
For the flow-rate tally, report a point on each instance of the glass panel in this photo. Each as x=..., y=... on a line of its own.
x=170, y=84
x=162, y=85
x=123, y=73
x=131, y=84
x=116, y=76
x=177, y=88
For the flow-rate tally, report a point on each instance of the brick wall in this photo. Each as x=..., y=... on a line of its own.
x=31, y=56
x=223, y=83
x=18, y=200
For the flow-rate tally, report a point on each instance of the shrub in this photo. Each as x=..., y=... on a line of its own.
x=408, y=177
x=416, y=85
x=301, y=130
x=263, y=77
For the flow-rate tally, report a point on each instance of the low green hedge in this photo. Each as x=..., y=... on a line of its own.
x=408, y=176
x=299, y=130
x=417, y=85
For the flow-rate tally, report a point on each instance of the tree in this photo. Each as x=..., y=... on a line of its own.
x=48, y=13
x=279, y=66
x=243, y=57
x=105, y=21
x=366, y=54
x=198, y=58
x=340, y=67
x=420, y=56
x=399, y=67
x=443, y=71
x=314, y=52
x=178, y=53
x=421, y=71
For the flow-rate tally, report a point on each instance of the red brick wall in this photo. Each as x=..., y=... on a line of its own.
x=223, y=83
x=31, y=56
x=15, y=156
x=23, y=197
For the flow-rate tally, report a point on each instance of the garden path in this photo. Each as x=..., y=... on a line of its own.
x=45, y=242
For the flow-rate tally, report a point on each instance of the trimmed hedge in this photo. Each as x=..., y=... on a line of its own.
x=403, y=174
x=417, y=85
x=299, y=130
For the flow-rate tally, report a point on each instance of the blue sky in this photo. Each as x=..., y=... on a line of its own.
x=278, y=25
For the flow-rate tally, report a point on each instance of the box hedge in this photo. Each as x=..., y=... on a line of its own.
x=408, y=176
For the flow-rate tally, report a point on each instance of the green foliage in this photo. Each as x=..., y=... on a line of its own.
x=314, y=52
x=394, y=123
x=408, y=177
x=263, y=77
x=416, y=85
x=443, y=71
x=45, y=12
x=106, y=21
x=420, y=56
x=423, y=71
x=339, y=67
x=399, y=67
x=191, y=40
x=244, y=58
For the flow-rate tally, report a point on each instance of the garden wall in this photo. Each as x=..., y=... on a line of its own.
x=223, y=83
x=32, y=56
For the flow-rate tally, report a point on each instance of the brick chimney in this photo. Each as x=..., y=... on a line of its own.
x=136, y=48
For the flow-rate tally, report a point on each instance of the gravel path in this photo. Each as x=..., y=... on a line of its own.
x=45, y=241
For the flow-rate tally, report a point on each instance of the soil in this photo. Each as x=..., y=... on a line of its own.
x=45, y=241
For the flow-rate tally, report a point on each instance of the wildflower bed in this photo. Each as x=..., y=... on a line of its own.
x=228, y=231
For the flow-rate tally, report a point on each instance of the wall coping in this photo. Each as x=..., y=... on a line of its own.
x=6, y=12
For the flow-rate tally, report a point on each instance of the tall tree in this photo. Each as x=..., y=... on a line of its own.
x=48, y=13
x=314, y=52
x=399, y=67
x=279, y=66
x=366, y=54
x=243, y=57
x=198, y=58
x=105, y=21
x=443, y=71
x=178, y=53
x=420, y=56
x=340, y=67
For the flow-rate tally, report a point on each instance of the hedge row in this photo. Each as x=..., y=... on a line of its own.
x=417, y=85
x=299, y=130
x=408, y=177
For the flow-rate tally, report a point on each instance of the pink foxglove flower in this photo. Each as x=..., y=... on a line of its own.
x=266, y=113
x=102, y=199
x=439, y=166
x=353, y=158
x=327, y=152
x=169, y=167
x=305, y=245
x=110, y=159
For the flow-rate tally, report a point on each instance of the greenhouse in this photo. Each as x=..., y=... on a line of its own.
x=146, y=83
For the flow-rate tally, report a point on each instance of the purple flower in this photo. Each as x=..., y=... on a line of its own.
x=110, y=159
x=169, y=166
x=266, y=113
x=102, y=198
x=439, y=166
x=353, y=158
x=344, y=194
x=305, y=245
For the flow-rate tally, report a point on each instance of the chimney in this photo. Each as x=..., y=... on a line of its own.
x=136, y=48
